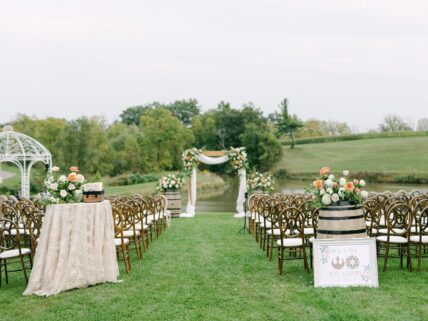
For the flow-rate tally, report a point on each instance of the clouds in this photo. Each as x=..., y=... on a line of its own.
x=364, y=57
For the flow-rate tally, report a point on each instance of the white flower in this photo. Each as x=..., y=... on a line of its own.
x=322, y=191
x=55, y=169
x=80, y=178
x=63, y=193
x=329, y=191
x=364, y=194
x=54, y=186
x=342, y=181
x=335, y=198
x=326, y=199
x=62, y=178
x=362, y=183
x=328, y=182
x=71, y=187
x=341, y=192
x=331, y=177
x=345, y=173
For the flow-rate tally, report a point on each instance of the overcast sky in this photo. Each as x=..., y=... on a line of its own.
x=352, y=61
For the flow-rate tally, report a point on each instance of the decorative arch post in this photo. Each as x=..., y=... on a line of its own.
x=238, y=158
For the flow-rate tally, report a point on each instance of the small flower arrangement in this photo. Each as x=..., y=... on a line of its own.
x=260, y=182
x=238, y=158
x=327, y=190
x=170, y=183
x=64, y=189
x=190, y=158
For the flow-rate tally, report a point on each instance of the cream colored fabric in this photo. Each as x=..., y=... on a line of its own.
x=118, y=241
x=392, y=239
x=76, y=249
x=417, y=239
x=14, y=253
x=290, y=242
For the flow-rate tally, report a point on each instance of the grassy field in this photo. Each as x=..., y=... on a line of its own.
x=398, y=156
x=203, y=269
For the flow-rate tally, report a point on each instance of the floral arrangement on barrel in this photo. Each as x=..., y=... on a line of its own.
x=327, y=190
x=170, y=183
x=190, y=159
x=238, y=158
x=64, y=189
x=262, y=182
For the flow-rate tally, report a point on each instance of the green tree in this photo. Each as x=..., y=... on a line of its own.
x=263, y=148
x=132, y=115
x=165, y=137
x=286, y=124
x=185, y=110
x=394, y=123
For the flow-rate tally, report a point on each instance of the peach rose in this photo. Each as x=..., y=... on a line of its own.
x=325, y=171
x=74, y=169
x=349, y=186
x=72, y=177
x=318, y=183
x=356, y=181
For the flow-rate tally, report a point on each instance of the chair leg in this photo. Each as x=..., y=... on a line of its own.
x=24, y=269
x=305, y=260
x=5, y=272
x=418, y=253
x=409, y=258
x=1, y=272
x=385, y=262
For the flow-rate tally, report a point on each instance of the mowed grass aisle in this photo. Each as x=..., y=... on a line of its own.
x=203, y=269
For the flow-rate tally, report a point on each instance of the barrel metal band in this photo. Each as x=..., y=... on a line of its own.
x=341, y=209
x=329, y=218
x=341, y=232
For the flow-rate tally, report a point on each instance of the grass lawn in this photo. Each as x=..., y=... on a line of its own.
x=408, y=155
x=203, y=269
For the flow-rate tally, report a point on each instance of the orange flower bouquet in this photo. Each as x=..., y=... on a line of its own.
x=328, y=190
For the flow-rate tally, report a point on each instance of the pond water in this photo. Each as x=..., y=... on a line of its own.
x=224, y=200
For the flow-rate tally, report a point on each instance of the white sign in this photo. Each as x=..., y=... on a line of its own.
x=345, y=262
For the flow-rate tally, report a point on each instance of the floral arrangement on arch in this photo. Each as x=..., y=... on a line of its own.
x=190, y=158
x=170, y=183
x=327, y=189
x=238, y=158
x=64, y=189
x=257, y=181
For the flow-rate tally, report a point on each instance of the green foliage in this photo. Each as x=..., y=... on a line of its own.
x=316, y=128
x=263, y=149
x=286, y=124
x=394, y=123
x=165, y=138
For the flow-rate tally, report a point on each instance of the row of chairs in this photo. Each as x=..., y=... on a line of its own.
x=399, y=221
x=138, y=221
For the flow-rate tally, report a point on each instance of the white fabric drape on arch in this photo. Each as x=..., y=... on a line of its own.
x=191, y=202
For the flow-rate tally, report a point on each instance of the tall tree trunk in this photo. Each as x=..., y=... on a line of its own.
x=293, y=142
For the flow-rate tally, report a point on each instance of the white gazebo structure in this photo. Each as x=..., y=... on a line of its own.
x=23, y=151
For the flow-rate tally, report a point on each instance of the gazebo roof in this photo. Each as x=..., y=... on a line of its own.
x=19, y=147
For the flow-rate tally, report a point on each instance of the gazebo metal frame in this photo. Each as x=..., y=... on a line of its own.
x=23, y=151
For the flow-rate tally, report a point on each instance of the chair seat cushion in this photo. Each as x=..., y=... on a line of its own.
x=118, y=241
x=266, y=224
x=291, y=242
x=395, y=230
x=130, y=233
x=10, y=254
x=392, y=239
x=141, y=227
x=308, y=231
x=275, y=231
x=416, y=239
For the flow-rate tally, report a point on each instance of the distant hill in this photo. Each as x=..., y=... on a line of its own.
x=399, y=159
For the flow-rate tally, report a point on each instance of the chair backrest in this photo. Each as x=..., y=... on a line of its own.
x=129, y=217
x=291, y=223
x=422, y=223
x=398, y=220
x=372, y=213
x=10, y=238
x=118, y=222
x=9, y=213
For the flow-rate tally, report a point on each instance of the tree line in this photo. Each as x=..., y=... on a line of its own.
x=151, y=137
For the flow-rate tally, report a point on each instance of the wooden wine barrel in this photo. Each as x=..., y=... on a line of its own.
x=174, y=203
x=341, y=221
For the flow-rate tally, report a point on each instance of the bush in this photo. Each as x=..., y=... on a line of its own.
x=133, y=179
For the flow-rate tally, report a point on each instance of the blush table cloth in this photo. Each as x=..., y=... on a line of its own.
x=75, y=250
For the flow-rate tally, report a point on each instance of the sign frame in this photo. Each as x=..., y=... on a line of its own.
x=369, y=277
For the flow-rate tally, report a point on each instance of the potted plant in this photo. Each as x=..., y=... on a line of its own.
x=339, y=201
